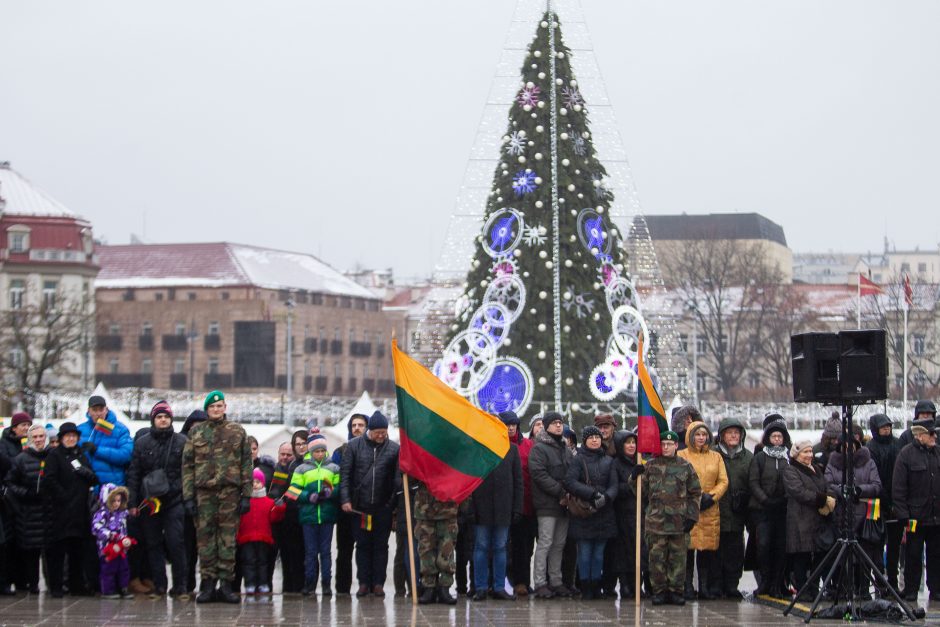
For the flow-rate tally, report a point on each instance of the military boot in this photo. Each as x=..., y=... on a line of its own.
x=206, y=591
x=443, y=596
x=226, y=594
x=428, y=595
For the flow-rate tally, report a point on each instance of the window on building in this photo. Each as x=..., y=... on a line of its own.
x=723, y=341
x=337, y=370
x=415, y=341
x=919, y=344
x=337, y=334
x=191, y=295
x=114, y=365
x=114, y=329
x=352, y=336
x=683, y=381
x=701, y=347
x=224, y=295
x=49, y=289
x=17, y=290
x=898, y=380
x=179, y=366
x=753, y=380
x=212, y=366
x=905, y=267
x=146, y=328
x=701, y=383
x=158, y=296
x=322, y=371
x=16, y=358
x=322, y=341
x=146, y=366
x=683, y=343
x=18, y=238
x=920, y=379
x=213, y=328
x=352, y=370
x=922, y=267
x=180, y=328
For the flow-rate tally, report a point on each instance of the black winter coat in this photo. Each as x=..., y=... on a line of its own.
x=75, y=485
x=601, y=479
x=500, y=496
x=548, y=465
x=625, y=503
x=884, y=451
x=806, y=493
x=916, y=484
x=33, y=494
x=151, y=452
x=10, y=447
x=368, y=474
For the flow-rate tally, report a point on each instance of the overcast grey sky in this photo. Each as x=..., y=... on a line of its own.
x=344, y=128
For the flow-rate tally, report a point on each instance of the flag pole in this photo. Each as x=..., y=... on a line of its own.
x=411, y=540
x=639, y=492
x=905, y=355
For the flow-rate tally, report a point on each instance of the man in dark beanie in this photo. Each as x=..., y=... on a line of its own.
x=217, y=487
x=368, y=484
x=548, y=465
x=925, y=413
x=829, y=441
x=681, y=419
x=156, y=473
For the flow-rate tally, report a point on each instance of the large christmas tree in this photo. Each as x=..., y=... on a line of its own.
x=548, y=313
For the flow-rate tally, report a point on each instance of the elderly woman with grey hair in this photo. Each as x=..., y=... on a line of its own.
x=32, y=490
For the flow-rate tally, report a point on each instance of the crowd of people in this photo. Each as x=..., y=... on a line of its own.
x=100, y=511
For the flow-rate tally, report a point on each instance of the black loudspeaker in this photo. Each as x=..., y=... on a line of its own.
x=863, y=366
x=845, y=367
x=815, y=359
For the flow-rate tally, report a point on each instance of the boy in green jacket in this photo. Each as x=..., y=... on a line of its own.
x=315, y=487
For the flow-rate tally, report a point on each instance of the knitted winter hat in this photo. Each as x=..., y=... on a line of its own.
x=377, y=421
x=315, y=440
x=589, y=431
x=833, y=428
x=257, y=475
x=162, y=407
x=537, y=418
x=20, y=417
x=552, y=416
x=509, y=418
x=800, y=446
x=771, y=418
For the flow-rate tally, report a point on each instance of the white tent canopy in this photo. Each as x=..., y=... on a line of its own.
x=78, y=416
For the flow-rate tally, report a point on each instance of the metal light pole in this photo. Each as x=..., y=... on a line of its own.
x=693, y=311
x=290, y=348
x=192, y=356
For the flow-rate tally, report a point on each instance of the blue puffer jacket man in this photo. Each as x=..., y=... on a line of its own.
x=107, y=443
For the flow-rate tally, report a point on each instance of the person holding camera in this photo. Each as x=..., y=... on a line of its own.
x=155, y=472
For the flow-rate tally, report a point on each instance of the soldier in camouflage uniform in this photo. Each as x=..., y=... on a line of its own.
x=436, y=534
x=673, y=492
x=217, y=471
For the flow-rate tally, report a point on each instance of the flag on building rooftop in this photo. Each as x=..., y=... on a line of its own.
x=650, y=416
x=446, y=442
x=908, y=291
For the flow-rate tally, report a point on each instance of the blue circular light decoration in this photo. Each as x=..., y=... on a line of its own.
x=508, y=389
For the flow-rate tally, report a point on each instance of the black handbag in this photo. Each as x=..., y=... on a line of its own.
x=872, y=528
x=826, y=536
x=579, y=508
x=156, y=483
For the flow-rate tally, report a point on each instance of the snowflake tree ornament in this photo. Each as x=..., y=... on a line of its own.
x=571, y=97
x=523, y=183
x=529, y=95
x=515, y=144
x=535, y=235
x=579, y=145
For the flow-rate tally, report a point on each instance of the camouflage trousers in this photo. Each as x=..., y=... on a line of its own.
x=216, y=527
x=667, y=561
x=436, y=542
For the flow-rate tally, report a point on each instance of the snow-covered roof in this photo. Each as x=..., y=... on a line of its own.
x=219, y=264
x=24, y=198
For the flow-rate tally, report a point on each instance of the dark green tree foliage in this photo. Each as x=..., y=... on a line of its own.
x=585, y=316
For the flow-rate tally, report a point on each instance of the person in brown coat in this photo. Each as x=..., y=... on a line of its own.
x=713, y=478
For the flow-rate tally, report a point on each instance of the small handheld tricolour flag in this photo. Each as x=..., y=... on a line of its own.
x=103, y=426
x=446, y=442
x=650, y=417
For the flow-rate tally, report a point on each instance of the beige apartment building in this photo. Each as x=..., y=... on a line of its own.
x=216, y=315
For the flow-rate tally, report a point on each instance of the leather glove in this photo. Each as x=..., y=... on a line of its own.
x=90, y=447
x=325, y=493
x=707, y=501
x=190, y=506
x=314, y=497
x=858, y=492
x=687, y=525
x=638, y=470
x=85, y=473
x=244, y=505
x=599, y=501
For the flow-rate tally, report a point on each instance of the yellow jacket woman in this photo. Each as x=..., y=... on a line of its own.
x=710, y=469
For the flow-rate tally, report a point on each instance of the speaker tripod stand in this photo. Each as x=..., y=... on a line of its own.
x=846, y=554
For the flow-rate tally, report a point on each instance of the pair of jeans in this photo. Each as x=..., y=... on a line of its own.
x=487, y=539
x=318, y=538
x=165, y=528
x=253, y=558
x=372, y=548
x=591, y=559
x=553, y=531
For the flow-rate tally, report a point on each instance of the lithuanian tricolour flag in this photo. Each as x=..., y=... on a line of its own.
x=446, y=442
x=651, y=418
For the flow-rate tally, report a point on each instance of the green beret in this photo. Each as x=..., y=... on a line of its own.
x=672, y=436
x=214, y=397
